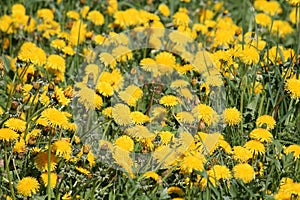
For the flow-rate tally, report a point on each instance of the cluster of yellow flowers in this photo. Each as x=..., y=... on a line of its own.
x=171, y=117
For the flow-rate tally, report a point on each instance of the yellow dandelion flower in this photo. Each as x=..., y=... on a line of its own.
x=261, y=134
x=225, y=146
x=108, y=60
x=73, y=15
x=258, y=87
x=255, y=147
x=88, y=97
x=205, y=113
x=241, y=154
x=53, y=179
x=123, y=159
x=104, y=88
x=58, y=44
x=166, y=137
x=83, y=170
x=112, y=6
x=99, y=39
x=45, y=14
x=175, y=190
x=165, y=155
x=131, y=95
x=106, y=145
x=95, y=17
x=158, y=112
x=55, y=63
x=60, y=96
x=55, y=118
x=29, y=52
x=139, y=118
x=121, y=114
x=107, y=112
x=244, y=171
x=62, y=148
x=266, y=120
x=179, y=84
x=68, y=50
x=232, y=116
x=249, y=55
x=166, y=62
x=263, y=19
x=125, y=142
x=293, y=2
x=91, y=158
x=169, y=100
x=192, y=162
x=288, y=190
x=282, y=28
x=8, y=134
x=186, y=93
x=117, y=79
x=219, y=172
x=164, y=10
x=181, y=19
x=295, y=149
x=139, y=132
x=41, y=161
x=185, y=117
x=204, y=87
x=122, y=53
x=44, y=99
x=149, y=65
x=152, y=175
x=293, y=16
x=16, y=124
x=20, y=146
x=67, y=196
x=35, y=150
x=28, y=186
x=292, y=86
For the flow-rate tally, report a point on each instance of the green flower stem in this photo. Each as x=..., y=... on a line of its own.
x=49, y=168
x=6, y=160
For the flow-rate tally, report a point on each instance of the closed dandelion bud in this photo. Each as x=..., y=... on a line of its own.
x=53, y=131
x=36, y=85
x=1, y=163
x=5, y=43
x=194, y=81
x=36, y=74
x=14, y=105
x=202, y=124
x=141, y=78
x=56, y=80
x=32, y=141
x=29, y=76
x=51, y=87
x=19, y=88
x=1, y=65
x=46, y=130
x=238, y=31
x=133, y=71
x=104, y=147
x=69, y=25
x=68, y=92
x=89, y=34
x=86, y=148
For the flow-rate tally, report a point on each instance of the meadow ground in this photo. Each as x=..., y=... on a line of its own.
x=180, y=99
